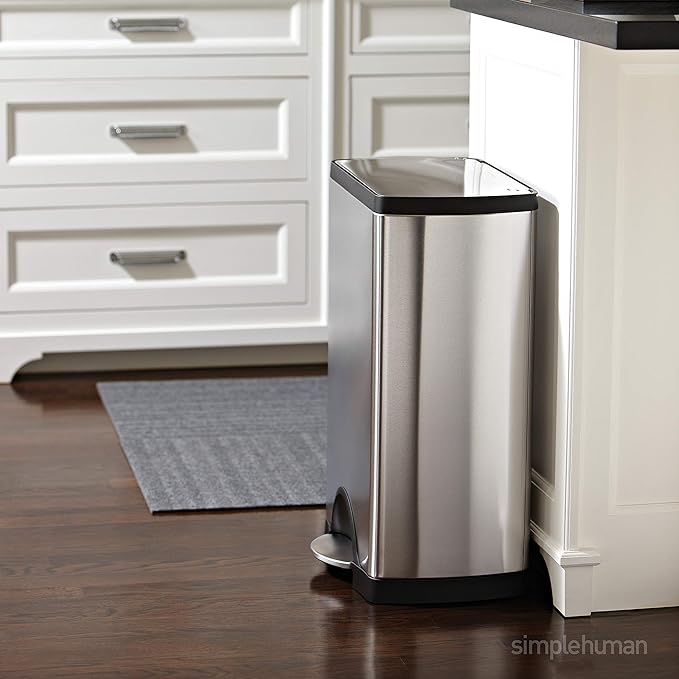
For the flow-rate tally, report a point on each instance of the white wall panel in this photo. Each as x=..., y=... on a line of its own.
x=628, y=330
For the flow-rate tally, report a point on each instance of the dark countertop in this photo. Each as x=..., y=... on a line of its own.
x=618, y=25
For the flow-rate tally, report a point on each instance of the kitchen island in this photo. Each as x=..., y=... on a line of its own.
x=581, y=101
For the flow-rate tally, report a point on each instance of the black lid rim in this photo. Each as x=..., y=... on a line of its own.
x=434, y=205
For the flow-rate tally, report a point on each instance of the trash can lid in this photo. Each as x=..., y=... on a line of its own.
x=432, y=186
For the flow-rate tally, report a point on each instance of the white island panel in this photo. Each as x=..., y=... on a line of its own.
x=596, y=131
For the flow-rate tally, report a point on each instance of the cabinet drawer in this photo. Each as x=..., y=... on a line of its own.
x=153, y=28
x=231, y=255
x=199, y=129
x=409, y=115
x=397, y=26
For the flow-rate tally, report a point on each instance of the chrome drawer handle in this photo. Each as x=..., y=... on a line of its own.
x=168, y=25
x=142, y=258
x=147, y=131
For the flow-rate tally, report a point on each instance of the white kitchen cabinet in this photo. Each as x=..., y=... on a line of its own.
x=594, y=130
x=154, y=130
x=67, y=28
x=421, y=115
x=222, y=256
x=403, y=79
x=198, y=135
x=406, y=27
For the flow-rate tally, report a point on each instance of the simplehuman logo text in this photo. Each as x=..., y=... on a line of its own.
x=581, y=646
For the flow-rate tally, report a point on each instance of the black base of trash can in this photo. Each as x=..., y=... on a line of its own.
x=438, y=590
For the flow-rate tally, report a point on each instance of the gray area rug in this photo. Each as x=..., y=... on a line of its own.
x=223, y=443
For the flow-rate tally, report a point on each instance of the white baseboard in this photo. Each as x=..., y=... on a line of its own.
x=570, y=574
x=168, y=359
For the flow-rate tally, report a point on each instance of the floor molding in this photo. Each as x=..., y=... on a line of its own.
x=168, y=359
x=570, y=574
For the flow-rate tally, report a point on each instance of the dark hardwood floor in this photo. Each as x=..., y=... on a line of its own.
x=92, y=585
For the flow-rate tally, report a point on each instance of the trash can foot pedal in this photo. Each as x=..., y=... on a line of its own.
x=334, y=549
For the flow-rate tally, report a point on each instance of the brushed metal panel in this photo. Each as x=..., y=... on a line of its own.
x=429, y=388
x=456, y=326
x=350, y=355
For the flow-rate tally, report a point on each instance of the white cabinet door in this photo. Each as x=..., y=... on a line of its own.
x=409, y=115
x=157, y=130
x=171, y=27
x=179, y=256
x=404, y=26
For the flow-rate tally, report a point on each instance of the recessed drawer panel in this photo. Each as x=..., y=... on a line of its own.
x=395, y=26
x=409, y=115
x=154, y=130
x=155, y=257
x=169, y=27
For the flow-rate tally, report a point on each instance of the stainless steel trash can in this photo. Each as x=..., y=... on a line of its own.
x=430, y=325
